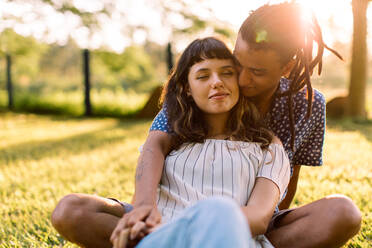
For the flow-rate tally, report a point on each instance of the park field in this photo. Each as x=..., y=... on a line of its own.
x=43, y=158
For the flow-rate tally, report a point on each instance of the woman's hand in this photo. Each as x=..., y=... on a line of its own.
x=140, y=222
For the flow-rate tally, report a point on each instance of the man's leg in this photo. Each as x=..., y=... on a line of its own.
x=87, y=220
x=329, y=222
x=214, y=222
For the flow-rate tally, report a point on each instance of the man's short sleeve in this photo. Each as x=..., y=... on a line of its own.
x=310, y=151
x=160, y=122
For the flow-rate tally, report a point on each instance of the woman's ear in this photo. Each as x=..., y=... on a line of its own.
x=288, y=68
x=188, y=90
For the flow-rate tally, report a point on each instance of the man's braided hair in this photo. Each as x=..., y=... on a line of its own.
x=283, y=28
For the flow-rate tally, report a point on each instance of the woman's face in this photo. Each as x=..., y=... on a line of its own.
x=213, y=84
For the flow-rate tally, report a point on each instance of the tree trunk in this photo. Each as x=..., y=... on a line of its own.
x=358, y=76
x=9, y=81
x=86, y=71
x=152, y=106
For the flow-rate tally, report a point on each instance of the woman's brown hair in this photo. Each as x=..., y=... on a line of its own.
x=282, y=27
x=186, y=119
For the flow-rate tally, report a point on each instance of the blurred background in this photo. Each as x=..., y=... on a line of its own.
x=56, y=55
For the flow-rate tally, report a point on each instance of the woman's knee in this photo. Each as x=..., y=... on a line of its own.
x=219, y=207
x=218, y=202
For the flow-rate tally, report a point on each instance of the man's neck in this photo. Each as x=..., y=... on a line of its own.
x=263, y=102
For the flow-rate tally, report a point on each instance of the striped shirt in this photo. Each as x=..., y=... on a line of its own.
x=218, y=168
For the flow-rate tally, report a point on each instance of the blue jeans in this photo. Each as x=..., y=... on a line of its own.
x=214, y=222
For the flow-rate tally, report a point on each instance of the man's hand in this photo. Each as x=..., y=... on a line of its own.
x=140, y=222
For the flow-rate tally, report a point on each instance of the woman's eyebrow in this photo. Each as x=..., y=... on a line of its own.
x=202, y=70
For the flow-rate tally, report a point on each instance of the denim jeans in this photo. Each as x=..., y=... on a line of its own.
x=214, y=222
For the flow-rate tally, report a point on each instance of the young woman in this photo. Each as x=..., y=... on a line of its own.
x=220, y=148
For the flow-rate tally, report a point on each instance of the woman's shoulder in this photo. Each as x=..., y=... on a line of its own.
x=220, y=145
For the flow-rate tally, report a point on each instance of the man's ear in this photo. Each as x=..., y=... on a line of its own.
x=288, y=68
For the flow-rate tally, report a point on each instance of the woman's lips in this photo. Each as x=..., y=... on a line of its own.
x=218, y=96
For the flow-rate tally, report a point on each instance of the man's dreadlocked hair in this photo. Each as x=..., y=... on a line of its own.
x=281, y=27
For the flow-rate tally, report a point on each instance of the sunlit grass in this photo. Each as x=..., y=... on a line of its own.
x=43, y=158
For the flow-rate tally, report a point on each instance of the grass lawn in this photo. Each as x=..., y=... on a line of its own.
x=43, y=158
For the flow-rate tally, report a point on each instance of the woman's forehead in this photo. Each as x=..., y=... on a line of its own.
x=212, y=63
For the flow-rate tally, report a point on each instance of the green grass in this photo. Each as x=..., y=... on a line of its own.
x=43, y=158
x=104, y=102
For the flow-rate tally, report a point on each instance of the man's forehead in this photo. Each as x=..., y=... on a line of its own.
x=256, y=58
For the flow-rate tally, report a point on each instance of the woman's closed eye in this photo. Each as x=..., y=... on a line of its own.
x=228, y=73
x=202, y=76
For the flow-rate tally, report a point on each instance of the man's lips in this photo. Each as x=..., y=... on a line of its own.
x=247, y=87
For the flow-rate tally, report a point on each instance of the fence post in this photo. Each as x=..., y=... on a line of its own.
x=86, y=71
x=169, y=57
x=9, y=81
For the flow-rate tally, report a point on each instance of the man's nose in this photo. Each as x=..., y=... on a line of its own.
x=245, y=78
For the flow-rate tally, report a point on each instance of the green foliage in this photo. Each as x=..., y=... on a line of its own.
x=132, y=69
x=43, y=158
x=25, y=53
x=44, y=69
x=15, y=44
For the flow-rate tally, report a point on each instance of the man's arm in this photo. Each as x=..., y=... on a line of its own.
x=292, y=187
x=150, y=167
x=148, y=174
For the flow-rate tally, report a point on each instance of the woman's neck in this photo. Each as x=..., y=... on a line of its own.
x=217, y=125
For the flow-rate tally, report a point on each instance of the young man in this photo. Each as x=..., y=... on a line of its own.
x=273, y=43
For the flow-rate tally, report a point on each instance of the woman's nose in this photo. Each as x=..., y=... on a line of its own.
x=216, y=81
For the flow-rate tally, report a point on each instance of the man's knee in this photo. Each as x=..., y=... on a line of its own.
x=69, y=212
x=344, y=213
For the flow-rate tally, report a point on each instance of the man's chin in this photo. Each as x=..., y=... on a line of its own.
x=250, y=93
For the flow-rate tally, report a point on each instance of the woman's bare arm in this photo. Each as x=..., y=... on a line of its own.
x=264, y=198
x=261, y=205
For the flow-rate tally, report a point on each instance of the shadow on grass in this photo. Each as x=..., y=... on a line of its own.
x=364, y=127
x=77, y=144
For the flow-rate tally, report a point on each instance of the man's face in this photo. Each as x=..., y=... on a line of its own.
x=260, y=70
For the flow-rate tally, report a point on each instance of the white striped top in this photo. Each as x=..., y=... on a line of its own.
x=218, y=168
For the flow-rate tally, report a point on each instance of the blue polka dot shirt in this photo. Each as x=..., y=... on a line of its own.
x=309, y=134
